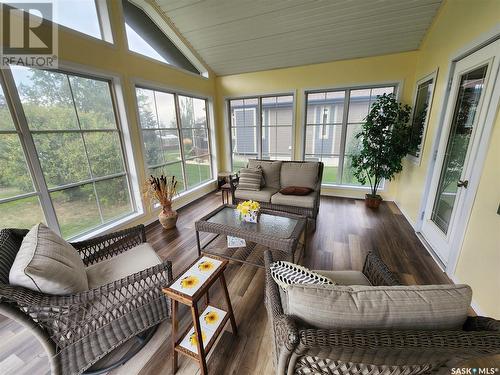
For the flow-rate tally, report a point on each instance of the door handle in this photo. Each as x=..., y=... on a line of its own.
x=463, y=184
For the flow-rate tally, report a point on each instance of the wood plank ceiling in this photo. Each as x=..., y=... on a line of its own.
x=236, y=36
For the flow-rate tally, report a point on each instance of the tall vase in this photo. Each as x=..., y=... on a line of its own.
x=168, y=217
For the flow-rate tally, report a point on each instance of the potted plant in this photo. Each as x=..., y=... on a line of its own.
x=384, y=141
x=163, y=190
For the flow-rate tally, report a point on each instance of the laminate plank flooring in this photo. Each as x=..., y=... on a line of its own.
x=346, y=231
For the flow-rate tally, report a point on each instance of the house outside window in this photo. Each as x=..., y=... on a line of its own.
x=333, y=118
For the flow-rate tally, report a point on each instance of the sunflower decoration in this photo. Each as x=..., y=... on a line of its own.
x=206, y=266
x=193, y=339
x=211, y=317
x=189, y=282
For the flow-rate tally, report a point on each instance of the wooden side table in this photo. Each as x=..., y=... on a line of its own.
x=194, y=283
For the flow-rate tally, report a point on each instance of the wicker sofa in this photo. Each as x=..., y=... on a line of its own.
x=78, y=330
x=300, y=349
x=279, y=174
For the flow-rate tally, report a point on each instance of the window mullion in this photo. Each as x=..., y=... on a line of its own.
x=181, y=145
x=30, y=151
x=343, y=135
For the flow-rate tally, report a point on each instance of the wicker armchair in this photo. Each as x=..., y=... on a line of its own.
x=308, y=350
x=79, y=329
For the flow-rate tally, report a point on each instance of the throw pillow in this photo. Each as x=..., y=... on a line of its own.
x=48, y=264
x=270, y=172
x=286, y=273
x=250, y=179
x=296, y=190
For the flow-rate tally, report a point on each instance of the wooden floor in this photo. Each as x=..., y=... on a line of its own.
x=346, y=231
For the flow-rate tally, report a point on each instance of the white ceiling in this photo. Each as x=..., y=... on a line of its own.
x=236, y=36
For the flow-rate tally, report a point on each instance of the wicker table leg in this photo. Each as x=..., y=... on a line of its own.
x=197, y=330
x=174, y=336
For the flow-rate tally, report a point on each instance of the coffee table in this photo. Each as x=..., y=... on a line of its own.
x=278, y=231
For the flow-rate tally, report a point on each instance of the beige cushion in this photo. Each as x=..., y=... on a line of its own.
x=250, y=179
x=131, y=261
x=346, y=277
x=263, y=195
x=46, y=263
x=380, y=307
x=306, y=201
x=299, y=174
x=270, y=171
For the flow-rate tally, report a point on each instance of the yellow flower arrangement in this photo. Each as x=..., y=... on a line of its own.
x=189, y=282
x=193, y=339
x=211, y=317
x=206, y=266
x=248, y=208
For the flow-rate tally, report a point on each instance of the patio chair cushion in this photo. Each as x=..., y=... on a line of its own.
x=418, y=307
x=127, y=263
x=48, y=264
x=300, y=174
x=270, y=172
x=263, y=195
x=338, y=277
x=305, y=201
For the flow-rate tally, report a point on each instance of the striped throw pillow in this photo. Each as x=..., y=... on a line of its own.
x=286, y=273
x=250, y=179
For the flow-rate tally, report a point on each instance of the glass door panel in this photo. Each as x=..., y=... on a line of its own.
x=462, y=126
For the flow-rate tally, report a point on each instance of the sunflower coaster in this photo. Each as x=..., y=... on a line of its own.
x=191, y=280
x=210, y=320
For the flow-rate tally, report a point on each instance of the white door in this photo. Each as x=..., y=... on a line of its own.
x=469, y=102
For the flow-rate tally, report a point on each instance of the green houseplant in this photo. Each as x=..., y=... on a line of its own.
x=384, y=140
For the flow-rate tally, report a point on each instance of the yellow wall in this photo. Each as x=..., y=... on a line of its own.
x=379, y=69
x=459, y=23
x=76, y=49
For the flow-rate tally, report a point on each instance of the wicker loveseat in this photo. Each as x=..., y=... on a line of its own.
x=302, y=349
x=279, y=174
x=77, y=330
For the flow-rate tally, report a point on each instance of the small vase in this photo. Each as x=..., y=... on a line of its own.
x=251, y=217
x=168, y=217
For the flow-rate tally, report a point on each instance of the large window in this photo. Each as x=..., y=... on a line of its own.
x=83, y=16
x=175, y=136
x=333, y=118
x=261, y=127
x=71, y=135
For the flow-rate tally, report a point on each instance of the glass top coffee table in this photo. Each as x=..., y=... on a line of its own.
x=278, y=231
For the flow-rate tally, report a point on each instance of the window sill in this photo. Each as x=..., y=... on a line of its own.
x=350, y=187
x=107, y=227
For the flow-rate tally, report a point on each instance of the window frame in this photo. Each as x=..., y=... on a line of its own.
x=398, y=86
x=417, y=160
x=146, y=85
x=43, y=191
x=105, y=27
x=258, y=122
